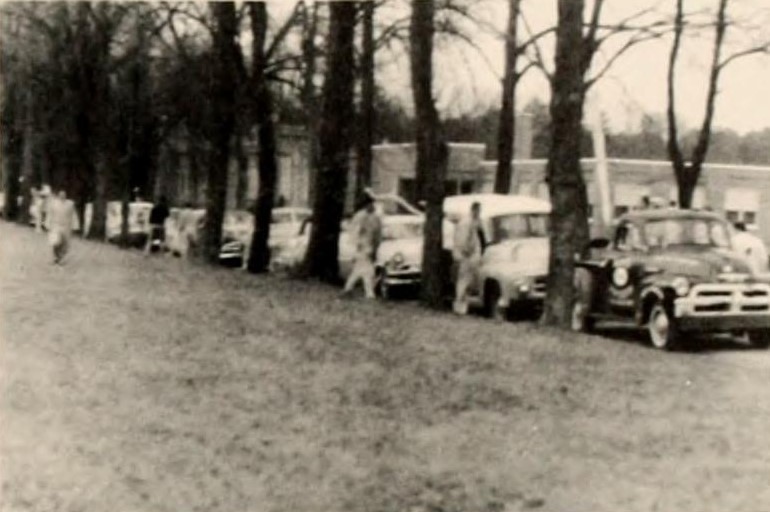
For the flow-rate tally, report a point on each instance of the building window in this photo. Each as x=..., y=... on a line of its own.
x=741, y=205
x=466, y=186
x=628, y=197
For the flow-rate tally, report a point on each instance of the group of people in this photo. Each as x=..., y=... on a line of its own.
x=469, y=241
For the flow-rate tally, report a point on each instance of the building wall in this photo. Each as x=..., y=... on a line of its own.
x=740, y=192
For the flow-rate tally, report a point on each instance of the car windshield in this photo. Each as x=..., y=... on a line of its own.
x=686, y=231
x=402, y=230
x=519, y=225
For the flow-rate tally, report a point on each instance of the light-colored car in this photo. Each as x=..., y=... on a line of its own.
x=398, y=259
x=286, y=223
x=138, y=219
x=514, y=264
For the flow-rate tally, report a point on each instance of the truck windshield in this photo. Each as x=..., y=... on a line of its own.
x=692, y=231
x=519, y=225
x=397, y=231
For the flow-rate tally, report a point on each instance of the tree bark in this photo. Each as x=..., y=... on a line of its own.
x=365, y=132
x=223, y=124
x=335, y=141
x=259, y=258
x=432, y=153
x=569, y=226
x=506, y=130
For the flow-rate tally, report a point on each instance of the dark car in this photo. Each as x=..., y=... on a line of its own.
x=673, y=272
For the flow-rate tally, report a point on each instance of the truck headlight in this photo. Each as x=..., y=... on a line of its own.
x=681, y=286
x=397, y=260
x=524, y=288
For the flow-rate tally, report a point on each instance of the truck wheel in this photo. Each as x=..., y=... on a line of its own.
x=662, y=328
x=492, y=307
x=759, y=339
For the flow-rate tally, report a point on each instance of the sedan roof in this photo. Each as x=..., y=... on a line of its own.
x=493, y=205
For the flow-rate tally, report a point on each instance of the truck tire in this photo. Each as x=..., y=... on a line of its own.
x=661, y=327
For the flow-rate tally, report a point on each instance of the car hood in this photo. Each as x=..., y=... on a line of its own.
x=409, y=248
x=698, y=262
x=528, y=255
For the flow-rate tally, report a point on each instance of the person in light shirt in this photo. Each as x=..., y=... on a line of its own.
x=750, y=247
x=367, y=230
x=61, y=215
x=467, y=255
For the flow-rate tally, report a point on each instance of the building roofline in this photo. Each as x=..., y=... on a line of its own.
x=713, y=165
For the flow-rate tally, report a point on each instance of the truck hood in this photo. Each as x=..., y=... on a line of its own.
x=698, y=262
x=529, y=256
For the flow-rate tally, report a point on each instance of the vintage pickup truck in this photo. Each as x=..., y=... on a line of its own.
x=675, y=273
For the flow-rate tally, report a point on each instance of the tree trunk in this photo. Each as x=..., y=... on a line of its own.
x=12, y=160
x=432, y=154
x=223, y=124
x=365, y=131
x=569, y=226
x=308, y=91
x=334, y=136
x=506, y=130
x=242, y=160
x=259, y=259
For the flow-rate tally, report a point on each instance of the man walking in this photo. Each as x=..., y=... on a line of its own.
x=467, y=255
x=61, y=215
x=366, y=228
x=751, y=248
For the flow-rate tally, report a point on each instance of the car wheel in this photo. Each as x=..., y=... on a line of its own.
x=492, y=307
x=662, y=328
x=759, y=339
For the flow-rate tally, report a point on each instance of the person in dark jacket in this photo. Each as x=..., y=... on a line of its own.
x=158, y=216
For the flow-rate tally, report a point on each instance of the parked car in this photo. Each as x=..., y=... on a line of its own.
x=674, y=273
x=138, y=221
x=286, y=223
x=514, y=263
x=398, y=259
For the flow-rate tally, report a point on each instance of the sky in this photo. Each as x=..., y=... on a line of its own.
x=469, y=77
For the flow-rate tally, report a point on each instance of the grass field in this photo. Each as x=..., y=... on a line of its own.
x=135, y=384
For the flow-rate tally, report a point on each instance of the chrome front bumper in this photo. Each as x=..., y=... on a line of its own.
x=724, y=307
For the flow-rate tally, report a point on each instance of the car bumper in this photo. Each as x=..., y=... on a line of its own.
x=724, y=323
x=724, y=307
x=411, y=278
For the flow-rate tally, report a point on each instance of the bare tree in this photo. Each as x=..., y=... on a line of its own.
x=506, y=130
x=687, y=173
x=223, y=123
x=335, y=141
x=365, y=132
x=432, y=152
x=268, y=165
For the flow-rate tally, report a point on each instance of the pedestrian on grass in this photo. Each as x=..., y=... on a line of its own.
x=61, y=216
x=751, y=248
x=157, y=231
x=468, y=246
x=366, y=228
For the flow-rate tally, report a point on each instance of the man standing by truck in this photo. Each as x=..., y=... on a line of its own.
x=467, y=250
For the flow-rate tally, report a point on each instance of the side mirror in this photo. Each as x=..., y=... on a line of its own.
x=599, y=243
